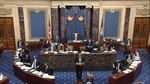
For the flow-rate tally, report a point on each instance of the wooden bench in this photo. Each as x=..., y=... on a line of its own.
x=148, y=48
x=1, y=49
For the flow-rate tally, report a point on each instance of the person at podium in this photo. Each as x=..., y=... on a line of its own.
x=89, y=45
x=79, y=67
x=117, y=66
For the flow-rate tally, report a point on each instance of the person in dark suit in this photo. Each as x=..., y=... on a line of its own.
x=20, y=43
x=89, y=45
x=35, y=64
x=117, y=66
x=110, y=45
x=90, y=78
x=46, y=44
x=27, y=60
x=47, y=69
x=21, y=55
x=79, y=66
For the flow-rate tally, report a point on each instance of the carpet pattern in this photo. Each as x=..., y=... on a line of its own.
x=69, y=77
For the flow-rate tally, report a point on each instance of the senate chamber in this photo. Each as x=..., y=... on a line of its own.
x=74, y=42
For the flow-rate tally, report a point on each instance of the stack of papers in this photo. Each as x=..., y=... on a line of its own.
x=35, y=72
x=55, y=52
x=48, y=76
x=127, y=71
x=19, y=63
x=87, y=52
x=134, y=64
x=25, y=68
x=112, y=51
x=1, y=76
x=137, y=58
x=105, y=52
x=75, y=51
x=39, y=73
x=31, y=70
x=46, y=52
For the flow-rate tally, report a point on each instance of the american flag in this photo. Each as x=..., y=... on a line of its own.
x=49, y=33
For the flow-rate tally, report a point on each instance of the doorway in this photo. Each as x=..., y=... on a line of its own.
x=7, y=37
x=141, y=32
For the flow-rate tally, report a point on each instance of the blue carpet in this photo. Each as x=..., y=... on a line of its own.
x=100, y=77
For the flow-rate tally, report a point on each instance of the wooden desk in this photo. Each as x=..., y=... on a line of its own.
x=76, y=45
x=1, y=49
x=5, y=80
x=125, y=78
x=93, y=61
x=34, y=45
x=148, y=48
x=30, y=78
x=117, y=44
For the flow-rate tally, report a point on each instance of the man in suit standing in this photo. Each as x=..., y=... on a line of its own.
x=117, y=66
x=79, y=67
x=35, y=63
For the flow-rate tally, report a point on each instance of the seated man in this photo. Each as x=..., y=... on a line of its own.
x=27, y=60
x=110, y=45
x=47, y=69
x=89, y=45
x=21, y=55
x=117, y=67
x=46, y=44
x=129, y=58
x=96, y=45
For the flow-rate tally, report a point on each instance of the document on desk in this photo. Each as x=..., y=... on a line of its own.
x=35, y=72
x=48, y=76
x=25, y=68
x=19, y=63
x=1, y=76
x=127, y=71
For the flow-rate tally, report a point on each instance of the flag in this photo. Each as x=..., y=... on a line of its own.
x=49, y=33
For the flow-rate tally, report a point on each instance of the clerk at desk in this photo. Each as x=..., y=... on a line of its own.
x=47, y=69
x=46, y=44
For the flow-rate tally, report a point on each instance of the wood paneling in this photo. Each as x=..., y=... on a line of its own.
x=7, y=37
x=141, y=32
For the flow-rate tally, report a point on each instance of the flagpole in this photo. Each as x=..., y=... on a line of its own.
x=100, y=20
x=50, y=20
